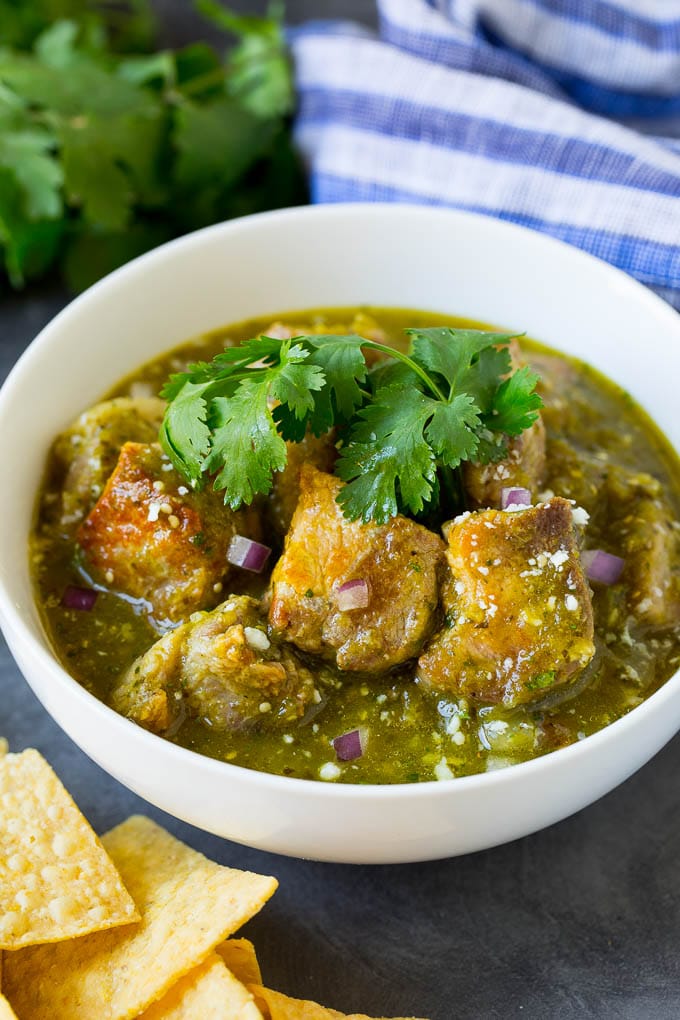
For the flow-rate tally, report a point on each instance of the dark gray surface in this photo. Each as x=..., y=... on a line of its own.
x=580, y=920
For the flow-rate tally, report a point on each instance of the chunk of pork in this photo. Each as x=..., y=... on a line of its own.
x=153, y=538
x=399, y=561
x=519, y=614
x=87, y=451
x=220, y=666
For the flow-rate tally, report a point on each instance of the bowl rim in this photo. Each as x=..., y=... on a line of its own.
x=12, y=621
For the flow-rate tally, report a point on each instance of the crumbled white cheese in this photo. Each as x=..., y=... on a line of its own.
x=257, y=639
x=559, y=558
x=442, y=770
x=571, y=602
x=580, y=516
x=329, y=771
x=154, y=510
x=453, y=724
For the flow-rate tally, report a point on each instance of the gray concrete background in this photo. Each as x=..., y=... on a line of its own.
x=580, y=920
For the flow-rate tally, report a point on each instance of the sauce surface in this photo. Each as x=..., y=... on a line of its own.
x=414, y=734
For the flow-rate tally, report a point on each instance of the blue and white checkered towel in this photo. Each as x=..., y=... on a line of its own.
x=562, y=115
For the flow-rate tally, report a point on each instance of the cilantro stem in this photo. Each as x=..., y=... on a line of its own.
x=203, y=81
x=392, y=352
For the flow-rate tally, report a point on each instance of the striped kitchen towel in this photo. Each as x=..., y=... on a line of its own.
x=562, y=115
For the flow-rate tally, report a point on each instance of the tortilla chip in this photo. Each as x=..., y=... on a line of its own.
x=4, y=747
x=56, y=880
x=239, y=956
x=276, y=1006
x=208, y=992
x=6, y=1011
x=188, y=906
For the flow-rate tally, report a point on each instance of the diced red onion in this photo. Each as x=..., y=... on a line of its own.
x=78, y=598
x=249, y=555
x=602, y=566
x=352, y=595
x=350, y=745
x=515, y=496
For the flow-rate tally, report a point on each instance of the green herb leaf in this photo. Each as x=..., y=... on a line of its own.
x=387, y=462
x=454, y=354
x=452, y=430
x=184, y=435
x=451, y=400
x=123, y=148
x=295, y=384
x=258, y=68
x=246, y=448
x=515, y=406
x=344, y=365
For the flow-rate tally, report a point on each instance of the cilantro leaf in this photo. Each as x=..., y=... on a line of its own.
x=216, y=142
x=454, y=353
x=28, y=246
x=344, y=367
x=258, y=67
x=295, y=384
x=387, y=462
x=452, y=430
x=93, y=180
x=515, y=406
x=29, y=154
x=246, y=448
x=184, y=434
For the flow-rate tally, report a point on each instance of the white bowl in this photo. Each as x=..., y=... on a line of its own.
x=400, y=256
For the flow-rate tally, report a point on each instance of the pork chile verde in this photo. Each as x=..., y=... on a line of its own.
x=514, y=605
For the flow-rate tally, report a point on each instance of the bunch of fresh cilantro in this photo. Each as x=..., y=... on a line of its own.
x=108, y=148
x=402, y=427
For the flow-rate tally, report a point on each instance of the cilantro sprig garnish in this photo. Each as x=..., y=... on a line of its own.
x=401, y=424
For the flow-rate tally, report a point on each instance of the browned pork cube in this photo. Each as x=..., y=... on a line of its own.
x=650, y=546
x=155, y=539
x=398, y=561
x=519, y=615
x=220, y=666
x=523, y=466
x=319, y=451
x=87, y=452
